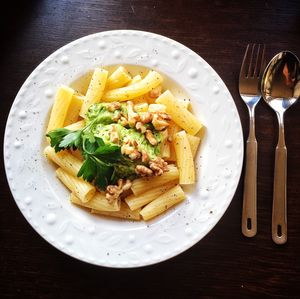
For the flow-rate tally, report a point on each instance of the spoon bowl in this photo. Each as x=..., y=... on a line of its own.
x=280, y=88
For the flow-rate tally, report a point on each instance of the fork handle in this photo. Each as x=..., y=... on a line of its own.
x=249, y=218
x=279, y=214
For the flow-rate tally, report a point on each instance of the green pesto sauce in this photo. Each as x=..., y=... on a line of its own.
x=103, y=122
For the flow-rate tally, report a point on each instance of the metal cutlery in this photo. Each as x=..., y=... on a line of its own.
x=249, y=88
x=280, y=87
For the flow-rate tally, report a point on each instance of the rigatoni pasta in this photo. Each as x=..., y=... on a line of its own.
x=118, y=78
x=180, y=115
x=74, y=109
x=184, y=158
x=65, y=160
x=76, y=125
x=124, y=213
x=98, y=202
x=194, y=142
x=60, y=107
x=142, y=185
x=135, y=79
x=124, y=148
x=83, y=190
x=137, y=201
x=163, y=203
x=95, y=90
x=126, y=93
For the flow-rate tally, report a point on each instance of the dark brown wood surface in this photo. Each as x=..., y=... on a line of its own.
x=223, y=264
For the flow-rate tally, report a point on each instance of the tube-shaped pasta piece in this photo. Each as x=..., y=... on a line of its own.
x=137, y=201
x=82, y=189
x=60, y=108
x=98, y=202
x=95, y=90
x=76, y=126
x=135, y=79
x=165, y=149
x=144, y=184
x=135, y=90
x=163, y=203
x=74, y=109
x=185, y=161
x=124, y=213
x=181, y=116
x=172, y=130
x=118, y=78
x=65, y=160
x=172, y=156
x=186, y=103
x=194, y=142
x=165, y=145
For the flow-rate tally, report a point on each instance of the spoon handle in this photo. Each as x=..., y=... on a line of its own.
x=279, y=215
x=249, y=218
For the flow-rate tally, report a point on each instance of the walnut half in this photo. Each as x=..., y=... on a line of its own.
x=113, y=192
x=160, y=121
x=158, y=166
x=150, y=137
x=143, y=170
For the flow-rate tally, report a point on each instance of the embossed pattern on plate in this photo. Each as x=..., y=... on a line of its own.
x=108, y=242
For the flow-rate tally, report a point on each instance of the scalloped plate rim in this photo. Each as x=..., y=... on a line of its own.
x=45, y=236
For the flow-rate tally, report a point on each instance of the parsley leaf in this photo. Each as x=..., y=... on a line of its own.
x=109, y=153
x=104, y=174
x=63, y=138
x=95, y=170
x=100, y=160
x=88, y=170
x=72, y=140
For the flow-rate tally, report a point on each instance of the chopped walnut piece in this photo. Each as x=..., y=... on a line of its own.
x=165, y=116
x=145, y=157
x=158, y=166
x=130, y=142
x=150, y=137
x=113, y=192
x=134, y=155
x=155, y=92
x=130, y=148
x=123, y=121
x=140, y=127
x=133, y=117
x=113, y=106
x=142, y=170
x=113, y=135
x=146, y=117
x=126, y=184
x=160, y=121
x=127, y=149
x=117, y=115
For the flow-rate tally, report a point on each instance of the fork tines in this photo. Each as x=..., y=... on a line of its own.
x=254, y=60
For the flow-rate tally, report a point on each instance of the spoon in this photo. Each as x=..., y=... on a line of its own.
x=280, y=88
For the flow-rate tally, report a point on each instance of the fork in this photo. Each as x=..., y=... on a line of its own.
x=251, y=70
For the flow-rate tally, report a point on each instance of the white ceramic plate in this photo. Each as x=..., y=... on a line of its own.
x=43, y=200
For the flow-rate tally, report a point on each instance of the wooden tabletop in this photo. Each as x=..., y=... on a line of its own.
x=224, y=263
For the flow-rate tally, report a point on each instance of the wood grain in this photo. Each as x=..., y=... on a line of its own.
x=224, y=264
